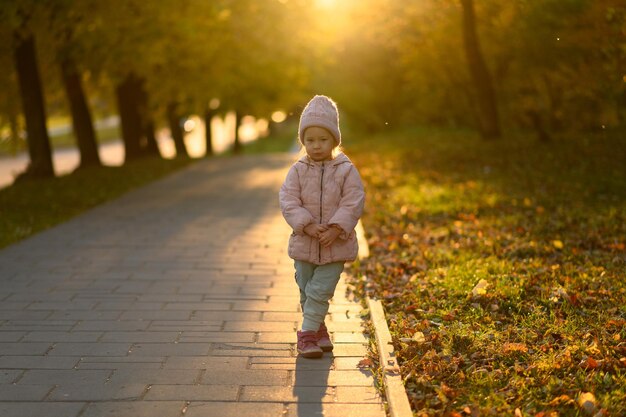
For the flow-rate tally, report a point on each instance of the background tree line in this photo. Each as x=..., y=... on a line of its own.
x=546, y=65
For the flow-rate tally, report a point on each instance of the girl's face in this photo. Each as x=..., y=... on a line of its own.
x=319, y=143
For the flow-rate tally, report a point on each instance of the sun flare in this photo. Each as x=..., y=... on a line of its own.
x=326, y=4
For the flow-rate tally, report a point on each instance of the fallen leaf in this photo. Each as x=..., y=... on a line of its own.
x=557, y=244
x=587, y=401
x=419, y=337
x=518, y=413
x=561, y=399
x=480, y=288
x=514, y=347
x=365, y=363
x=589, y=363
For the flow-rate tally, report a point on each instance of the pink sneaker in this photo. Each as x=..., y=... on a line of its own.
x=323, y=338
x=307, y=345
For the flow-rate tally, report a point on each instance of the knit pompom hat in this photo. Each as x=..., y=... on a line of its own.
x=321, y=111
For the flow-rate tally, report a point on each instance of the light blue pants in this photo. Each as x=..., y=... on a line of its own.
x=317, y=285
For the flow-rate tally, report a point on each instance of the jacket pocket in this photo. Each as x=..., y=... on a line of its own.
x=299, y=247
x=344, y=250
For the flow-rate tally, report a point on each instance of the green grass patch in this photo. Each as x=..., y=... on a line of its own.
x=543, y=225
x=35, y=205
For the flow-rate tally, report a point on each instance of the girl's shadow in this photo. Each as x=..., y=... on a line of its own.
x=311, y=385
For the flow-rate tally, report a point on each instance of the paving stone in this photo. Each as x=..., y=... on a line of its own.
x=223, y=363
x=112, y=325
x=38, y=362
x=255, y=326
x=227, y=315
x=282, y=316
x=206, y=305
x=24, y=315
x=335, y=410
x=7, y=376
x=348, y=362
x=351, y=349
x=62, y=305
x=12, y=392
x=134, y=409
x=170, y=349
x=288, y=394
x=344, y=337
x=140, y=337
x=193, y=392
x=56, y=376
x=155, y=376
x=278, y=337
x=85, y=315
x=208, y=337
x=39, y=409
x=335, y=378
x=11, y=336
x=90, y=349
x=156, y=315
x=97, y=391
x=265, y=306
x=250, y=349
x=249, y=377
x=292, y=363
x=358, y=395
x=14, y=348
x=40, y=336
x=223, y=409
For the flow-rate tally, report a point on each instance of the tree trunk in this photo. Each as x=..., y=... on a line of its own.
x=490, y=125
x=208, y=136
x=14, y=139
x=148, y=142
x=237, y=147
x=81, y=117
x=152, y=147
x=31, y=93
x=127, y=93
x=176, y=130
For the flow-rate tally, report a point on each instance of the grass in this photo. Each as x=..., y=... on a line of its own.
x=543, y=226
x=35, y=205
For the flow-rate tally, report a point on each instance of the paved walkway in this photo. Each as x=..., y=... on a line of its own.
x=177, y=299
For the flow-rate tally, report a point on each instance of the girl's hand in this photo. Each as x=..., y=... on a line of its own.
x=328, y=236
x=314, y=229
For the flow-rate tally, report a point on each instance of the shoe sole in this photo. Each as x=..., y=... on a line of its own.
x=327, y=348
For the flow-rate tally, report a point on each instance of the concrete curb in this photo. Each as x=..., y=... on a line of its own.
x=397, y=400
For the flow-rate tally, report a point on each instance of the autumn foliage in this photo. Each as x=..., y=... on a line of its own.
x=502, y=270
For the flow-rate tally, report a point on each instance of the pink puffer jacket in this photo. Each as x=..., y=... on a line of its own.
x=326, y=193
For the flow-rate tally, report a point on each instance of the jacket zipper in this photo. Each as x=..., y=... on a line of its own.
x=319, y=250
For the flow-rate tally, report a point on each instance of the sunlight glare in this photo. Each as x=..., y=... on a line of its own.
x=326, y=4
x=279, y=116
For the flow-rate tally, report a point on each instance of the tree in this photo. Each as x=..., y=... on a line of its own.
x=19, y=20
x=488, y=109
x=31, y=93
x=178, y=135
x=66, y=22
x=81, y=116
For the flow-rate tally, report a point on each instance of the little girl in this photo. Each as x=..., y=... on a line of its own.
x=322, y=200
